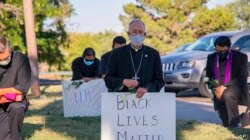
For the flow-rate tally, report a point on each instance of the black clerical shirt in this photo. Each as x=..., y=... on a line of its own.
x=222, y=66
x=120, y=68
x=17, y=74
x=105, y=59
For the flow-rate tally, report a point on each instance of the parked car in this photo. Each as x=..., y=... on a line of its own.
x=181, y=48
x=186, y=70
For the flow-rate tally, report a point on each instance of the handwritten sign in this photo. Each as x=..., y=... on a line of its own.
x=82, y=98
x=125, y=117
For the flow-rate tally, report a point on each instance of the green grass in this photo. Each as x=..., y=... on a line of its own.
x=191, y=130
x=45, y=121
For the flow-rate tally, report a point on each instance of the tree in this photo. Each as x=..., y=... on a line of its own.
x=241, y=10
x=17, y=12
x=218, y=19
x=49, y=26
x=170, y=23
x=100, y=42
x=11, y=22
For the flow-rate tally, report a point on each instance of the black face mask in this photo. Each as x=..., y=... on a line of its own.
x=222, y=55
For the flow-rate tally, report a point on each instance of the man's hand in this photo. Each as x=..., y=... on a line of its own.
x=140, y=92
x=2, y=92
x=130, y=83
x=9, y=90
x=86, y=79
x=219, y=91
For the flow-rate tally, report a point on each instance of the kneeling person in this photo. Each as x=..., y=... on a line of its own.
x=15, y=74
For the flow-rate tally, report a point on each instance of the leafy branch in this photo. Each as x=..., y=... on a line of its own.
x=77, y=84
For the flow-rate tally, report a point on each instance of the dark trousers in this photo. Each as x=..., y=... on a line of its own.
x=228, y=107
x=11, y=120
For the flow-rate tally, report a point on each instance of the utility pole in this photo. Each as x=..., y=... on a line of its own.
x=31, y=46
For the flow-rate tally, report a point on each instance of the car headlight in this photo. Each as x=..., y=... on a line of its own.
x=186, y=64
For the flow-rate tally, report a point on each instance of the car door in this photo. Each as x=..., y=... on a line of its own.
x=241, y=42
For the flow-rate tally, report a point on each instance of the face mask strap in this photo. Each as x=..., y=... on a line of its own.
x=88, y=63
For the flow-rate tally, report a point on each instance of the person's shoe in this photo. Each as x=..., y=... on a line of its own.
x=238, y=125
x=245, y=120
x=247, y=127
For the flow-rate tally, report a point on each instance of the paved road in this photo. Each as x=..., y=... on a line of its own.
x=190, y=106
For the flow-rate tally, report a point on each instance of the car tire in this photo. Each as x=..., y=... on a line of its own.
x=174, y=91
x=203, y=89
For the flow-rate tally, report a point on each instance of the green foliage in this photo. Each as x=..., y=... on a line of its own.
x=170, y=24
x=49, y=27
x=241, y=10
x=12, y=24
x=101, y=43
x=207, y=21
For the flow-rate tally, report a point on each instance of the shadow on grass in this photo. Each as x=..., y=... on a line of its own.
x=80, y=128
x=183, y=126
x=28, y=129
x=202, y=113
x=243, y=134
x=89, y=128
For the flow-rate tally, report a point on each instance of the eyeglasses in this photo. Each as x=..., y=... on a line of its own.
x=88, y=60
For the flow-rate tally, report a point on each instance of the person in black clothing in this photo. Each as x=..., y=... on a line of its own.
x=135, y=67
x=15, y=81
x=86, y=67
x=229, y=68
x=118, y=42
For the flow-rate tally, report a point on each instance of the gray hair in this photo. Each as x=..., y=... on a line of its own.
x=136, y=20
x=4, y=44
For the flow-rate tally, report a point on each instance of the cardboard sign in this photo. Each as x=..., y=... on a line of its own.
x=82, y=98
x=125, y=117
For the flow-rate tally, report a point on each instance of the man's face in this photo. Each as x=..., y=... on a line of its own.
x=221, y=49
x=117, y=45
x=89, y=57
x=5, y=55
x=137, y=28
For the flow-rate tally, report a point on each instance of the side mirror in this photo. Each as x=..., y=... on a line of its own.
x=236, y=47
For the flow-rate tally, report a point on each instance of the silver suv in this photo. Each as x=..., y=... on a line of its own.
x=186, y=70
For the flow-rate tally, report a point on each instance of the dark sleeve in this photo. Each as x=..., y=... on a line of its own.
x=97, y=68
x=158, y=82
x=242, y=74
x=77, y=74
x=23, y=76
x=103, y=65
x=113, y=82
x=209, y=69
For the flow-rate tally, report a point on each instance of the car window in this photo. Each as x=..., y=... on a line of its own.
x=243, y=43
x=181, y=48
x=203, y=44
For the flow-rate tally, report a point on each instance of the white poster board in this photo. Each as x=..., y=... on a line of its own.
x=82, y=98
x=127, y=118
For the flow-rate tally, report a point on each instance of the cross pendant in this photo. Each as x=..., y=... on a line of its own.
x=135, y=77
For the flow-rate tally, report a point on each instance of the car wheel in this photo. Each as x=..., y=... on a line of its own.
x=176, y=91
x=169, y=90
x=203, y=89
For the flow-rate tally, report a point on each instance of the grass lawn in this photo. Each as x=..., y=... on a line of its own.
x=45, y=121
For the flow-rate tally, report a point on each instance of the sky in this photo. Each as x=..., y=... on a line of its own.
x=101, y=15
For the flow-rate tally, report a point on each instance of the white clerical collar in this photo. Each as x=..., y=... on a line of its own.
x=136, y=49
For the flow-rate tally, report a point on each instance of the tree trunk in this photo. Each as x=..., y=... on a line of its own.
x=31, y=46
